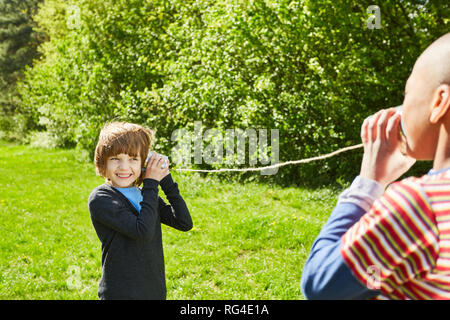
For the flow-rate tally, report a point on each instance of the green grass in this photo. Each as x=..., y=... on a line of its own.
x=249, y=241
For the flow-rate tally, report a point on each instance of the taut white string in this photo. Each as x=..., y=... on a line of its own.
x=328, y=155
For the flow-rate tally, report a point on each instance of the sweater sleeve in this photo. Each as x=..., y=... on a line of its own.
x=110, y=211
x=176, y=214
x=325, y=274
x=395, y=242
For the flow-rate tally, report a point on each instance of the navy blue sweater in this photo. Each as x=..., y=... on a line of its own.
x=132, y=251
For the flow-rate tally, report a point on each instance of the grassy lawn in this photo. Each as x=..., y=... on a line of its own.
x=249, y=241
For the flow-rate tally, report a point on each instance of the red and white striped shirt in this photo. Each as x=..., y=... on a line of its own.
x=401, y=246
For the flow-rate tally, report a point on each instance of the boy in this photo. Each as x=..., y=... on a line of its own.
x=394, y=244
x=128, y=219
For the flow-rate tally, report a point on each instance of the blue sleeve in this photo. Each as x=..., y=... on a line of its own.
x=325, y=274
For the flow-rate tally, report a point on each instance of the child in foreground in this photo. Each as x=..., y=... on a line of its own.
x=394, y=244
x=127, y=219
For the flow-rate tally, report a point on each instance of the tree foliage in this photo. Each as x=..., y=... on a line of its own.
x=312, y=69
x=18, y=48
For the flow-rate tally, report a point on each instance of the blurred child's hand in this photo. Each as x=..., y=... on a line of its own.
x=154, y=170
x=383, y=160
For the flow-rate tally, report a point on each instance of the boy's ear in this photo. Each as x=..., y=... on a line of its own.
x=441, y=103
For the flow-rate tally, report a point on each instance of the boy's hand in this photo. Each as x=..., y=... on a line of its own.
x=383, y=160
x=154, y=170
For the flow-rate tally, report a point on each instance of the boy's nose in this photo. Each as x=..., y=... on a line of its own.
x=124, y=165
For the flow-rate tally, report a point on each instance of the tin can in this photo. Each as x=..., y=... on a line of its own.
x=399, y=110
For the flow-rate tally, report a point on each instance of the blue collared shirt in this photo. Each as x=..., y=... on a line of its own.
x=134, y=195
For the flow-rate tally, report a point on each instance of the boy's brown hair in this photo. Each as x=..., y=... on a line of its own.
x=122, y=137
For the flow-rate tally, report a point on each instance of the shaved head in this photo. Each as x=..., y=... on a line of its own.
x=426, y=100
x=433, y=64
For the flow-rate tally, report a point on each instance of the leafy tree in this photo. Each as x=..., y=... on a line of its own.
x=312, y=69
x=18, y=48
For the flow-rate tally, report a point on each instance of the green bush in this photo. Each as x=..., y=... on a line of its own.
x=311, y=69
x=18, y=48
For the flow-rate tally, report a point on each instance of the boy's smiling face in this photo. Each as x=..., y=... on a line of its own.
x=123, y=170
